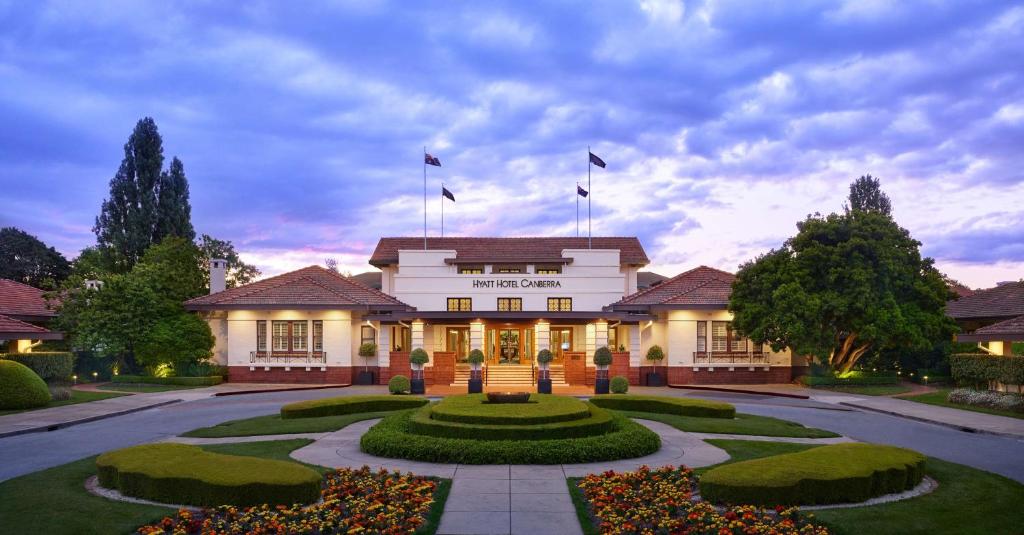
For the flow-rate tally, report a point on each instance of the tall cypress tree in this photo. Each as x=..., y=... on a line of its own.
x=174, y=214
x=124, y=228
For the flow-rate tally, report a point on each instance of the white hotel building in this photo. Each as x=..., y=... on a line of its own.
x=509, y=297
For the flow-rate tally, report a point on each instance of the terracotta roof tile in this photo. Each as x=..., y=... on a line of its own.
x=509, y=249
x=310, y=286
x=1006, y=300
x=1013, y=326
x=699, y=286
x=17, y=299
x=11, y=325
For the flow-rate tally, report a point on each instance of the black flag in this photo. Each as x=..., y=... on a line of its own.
x=581, y=192
x=434, y=160
x=593, y=159
x=446, y=193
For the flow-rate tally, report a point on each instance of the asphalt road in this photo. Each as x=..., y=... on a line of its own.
x=28, y=453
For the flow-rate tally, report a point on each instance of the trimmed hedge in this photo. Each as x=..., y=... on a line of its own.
x=597, y=422
x=665, y=405
x=182, y=381
x=50, y=366
x=854, y=379
x=542, y=409
x=839, y=473
x=184, y=474
x=349, y=405
x=619, y=385
x=981, y=368
x=20, y=387
x=391, y=438
x=399, y=384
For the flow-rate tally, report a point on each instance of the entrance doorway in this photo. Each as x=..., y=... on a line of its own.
x=510, y=345
x=458, y=343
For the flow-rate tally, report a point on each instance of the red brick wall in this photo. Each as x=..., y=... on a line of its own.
x=297, y=375
x=443, y=370
x=644, y=370
x=620, y=366
x=399, y=366
x=575, y=367
x=741, y=375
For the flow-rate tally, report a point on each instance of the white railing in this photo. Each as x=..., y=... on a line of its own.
x=730, y=357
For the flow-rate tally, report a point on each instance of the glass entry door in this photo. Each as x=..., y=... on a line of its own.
x=508, y=346
x=458, y=343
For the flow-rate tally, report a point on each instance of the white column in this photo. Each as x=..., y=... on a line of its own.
x=542, y=336
x=476, y=335
x=591, y=344
x=383, y=345
x=601, y=334
x=417, y=335
x=635, y=358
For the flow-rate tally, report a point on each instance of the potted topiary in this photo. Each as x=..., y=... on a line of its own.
x=655, y=355
x=476, y=380
x=417, y=358
x=602, y=359
x=544, y=358
x=366, y=377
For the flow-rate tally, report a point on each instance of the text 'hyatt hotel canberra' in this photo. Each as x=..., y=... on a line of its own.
x=509, y=297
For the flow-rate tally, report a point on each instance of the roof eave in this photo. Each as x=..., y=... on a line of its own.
x=199, y=307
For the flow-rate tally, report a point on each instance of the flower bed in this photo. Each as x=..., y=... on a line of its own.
x=349, y=405
x=542, y=409
x=354, y=501
x=992, y=400
x=665, y=405
x=661, y=501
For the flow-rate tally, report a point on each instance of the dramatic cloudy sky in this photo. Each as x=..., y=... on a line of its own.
x=723, y=123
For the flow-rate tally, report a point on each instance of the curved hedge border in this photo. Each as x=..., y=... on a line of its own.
x=542, y=409
x=50, y=366
x=182, y=381
x=184, y=474
x=982, y=368
x=839, y=473
x=665, y=405
x=597, y=422
x=349, y=405
x=391, y=438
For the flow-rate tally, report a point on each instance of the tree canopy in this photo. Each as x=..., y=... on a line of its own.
x=26, y=259
x=844, y=285
x=866, y=195
x=238, y=272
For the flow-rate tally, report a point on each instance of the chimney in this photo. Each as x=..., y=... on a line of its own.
x=218, y=274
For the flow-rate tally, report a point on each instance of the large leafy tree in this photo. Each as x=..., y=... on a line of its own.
x=866, y=195
x=145, y=204
x=845, y=285
x=26, y=259
x=238, y=272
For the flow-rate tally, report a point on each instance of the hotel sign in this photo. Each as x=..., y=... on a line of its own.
x=513, y=283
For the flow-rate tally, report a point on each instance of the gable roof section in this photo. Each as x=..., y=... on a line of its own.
x=700, y=287
x=1011, y=330
x=22, y=301
x=511, y=250
x=1004, y=301
x=313, y=287
x=12, y=329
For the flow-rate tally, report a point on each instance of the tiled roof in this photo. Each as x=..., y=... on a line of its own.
x=1006, y=300
x=17, y=299
x=1013, y=326
x=11, y=325
x=701, y=286
x=509, y=249
x=313, y=286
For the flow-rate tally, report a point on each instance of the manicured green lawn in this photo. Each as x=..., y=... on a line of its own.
x=136, y=388
x=743, y=424
x=77, y=396
x=273, y=424
x=939, y=398
x=868, y=390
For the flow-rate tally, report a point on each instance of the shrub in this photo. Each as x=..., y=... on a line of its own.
x=603, y=356
x=368, y=349
x=181, y=381
x=20, y=387
x=596, y=422
x=349, y=405
x=655, y=353
x=475, y=357
x=983, y=368
x=50, y=366
x=60, y=392
x=542, y=409
x=619, y=385
x=399, y=384
x=419, y=356
x=391, y=438
x=838, y=473
x=987, y=398
x=544, y=356
x=184, y=474
x=665, y=405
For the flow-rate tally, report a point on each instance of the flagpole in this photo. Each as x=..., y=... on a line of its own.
x=577, y=209
x=590, y=193
x=442, y=210
x=424, y=197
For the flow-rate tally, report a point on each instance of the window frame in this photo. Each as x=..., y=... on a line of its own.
x=547, y=270
x=459, y=302
x=702, y=336
x=559, y=302
x=471, y=270
x=261, y=335
x=514, y=304
x=318, y=336
x=363, y=339
x=289, y=336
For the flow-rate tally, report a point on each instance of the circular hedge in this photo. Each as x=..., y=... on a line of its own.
x=838, y=473
x=20, y=387
x=184, y=474
x=399, y=384
x=595, y=422
x=392, y=437
x=542, y=409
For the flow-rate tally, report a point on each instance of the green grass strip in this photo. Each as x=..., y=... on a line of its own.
x=743, y=424
x=701, y=408
x=273, y=424
x=350, y=405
